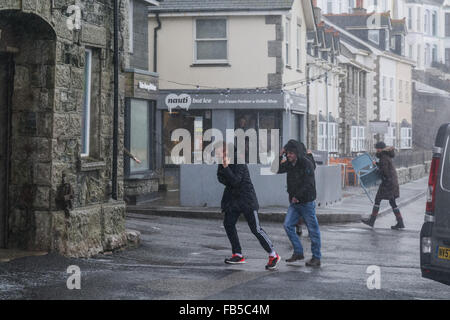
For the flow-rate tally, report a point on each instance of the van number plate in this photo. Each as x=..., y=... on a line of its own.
x=444, y=253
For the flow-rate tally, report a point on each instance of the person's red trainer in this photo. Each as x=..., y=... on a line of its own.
x=273, y=261
x=235, y=259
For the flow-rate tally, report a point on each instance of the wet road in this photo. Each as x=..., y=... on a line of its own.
x=183, y=259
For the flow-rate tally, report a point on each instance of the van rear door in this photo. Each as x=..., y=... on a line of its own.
x=440, y=255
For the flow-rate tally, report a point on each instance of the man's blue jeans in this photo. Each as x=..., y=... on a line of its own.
x=308, y=212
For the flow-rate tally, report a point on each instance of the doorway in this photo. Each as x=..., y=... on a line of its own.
x=6, y=70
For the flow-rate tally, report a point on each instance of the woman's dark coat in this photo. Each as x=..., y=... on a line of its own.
x=389, y=188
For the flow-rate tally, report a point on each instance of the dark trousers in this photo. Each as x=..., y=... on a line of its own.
x=392, y=202
x=230, y=220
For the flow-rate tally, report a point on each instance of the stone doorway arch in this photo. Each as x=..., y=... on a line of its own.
x=28, y=59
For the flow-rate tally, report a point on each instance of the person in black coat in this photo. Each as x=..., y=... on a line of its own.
x=389, y=188
x=301, y=187
x=239, y=197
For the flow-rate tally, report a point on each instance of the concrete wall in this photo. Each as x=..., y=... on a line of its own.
x=270, y=189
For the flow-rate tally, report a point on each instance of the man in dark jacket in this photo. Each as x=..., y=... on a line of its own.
x=389, y=188
x=301, y=187
x=239, y=197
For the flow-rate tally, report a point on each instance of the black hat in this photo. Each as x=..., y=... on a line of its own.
x=380, y=145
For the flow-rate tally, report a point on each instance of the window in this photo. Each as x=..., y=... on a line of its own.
x=410, y=51
x=391, y=137
x=447, y=24
x=362, y=139
x=427, y=55
x=391, y=91
x=86, y=120
x=400, y=90
x=410, y=18
x=419, y=19
x=434, y=24
x=387, y=39
x=288, y=36
x=211, y=44
x=333, y=134
x=329, y=6
x=426, y=22
x=406, y=138
x=446, y=168
x=434, y=54
x=192, y=120
x=351, y=5
x=374, y=36
x=407, y=93
x=322, y=136
x=139, y=126
x=299, y=41
x=268, y=120
x=419, y=53
x=384, y=88
x=130, y=26
x=354, y=144
x=447, y=57
x=358, y=139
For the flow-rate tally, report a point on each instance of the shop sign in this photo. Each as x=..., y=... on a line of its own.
x=147, y=86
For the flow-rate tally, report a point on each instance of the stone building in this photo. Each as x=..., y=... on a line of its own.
x=142, y=180
x=56, y=132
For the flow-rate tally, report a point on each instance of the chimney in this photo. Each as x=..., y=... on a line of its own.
x=317, y=14
x=359, y=7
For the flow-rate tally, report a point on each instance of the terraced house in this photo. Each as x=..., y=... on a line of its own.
x=61, y=119
x=390, y=93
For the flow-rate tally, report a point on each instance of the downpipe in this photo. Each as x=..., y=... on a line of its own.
x=116, y=103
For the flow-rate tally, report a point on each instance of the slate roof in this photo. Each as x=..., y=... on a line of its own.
x=346, y=20
x=221, y=5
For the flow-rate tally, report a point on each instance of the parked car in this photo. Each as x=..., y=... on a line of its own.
x=435, y=233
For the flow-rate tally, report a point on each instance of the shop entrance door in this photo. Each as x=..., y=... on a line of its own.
x=5, y=102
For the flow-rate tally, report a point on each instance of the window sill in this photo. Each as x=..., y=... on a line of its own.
x=299, y=71
x=143, y=175
x=195, y=65
x=89, y=164
x=288, y=67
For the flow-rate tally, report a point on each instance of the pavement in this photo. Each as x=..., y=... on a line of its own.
x=182, y=258
x=354, y=205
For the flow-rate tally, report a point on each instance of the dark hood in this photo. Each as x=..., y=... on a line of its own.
x=389, y=151
x=297, y=147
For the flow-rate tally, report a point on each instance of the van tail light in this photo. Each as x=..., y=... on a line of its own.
x=432, y=183
x=426, y=245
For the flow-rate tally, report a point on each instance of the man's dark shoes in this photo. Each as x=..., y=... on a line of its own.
x=273, y=261
x=314, y=262
x=370, y=222
x=400, y=225
x=235, y=259
x=295, y=257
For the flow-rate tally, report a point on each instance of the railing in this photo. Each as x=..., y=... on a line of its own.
x=409, y=158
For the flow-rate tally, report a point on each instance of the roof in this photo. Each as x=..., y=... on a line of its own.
x=357, y=19
x=221, y=5
x=399, y=26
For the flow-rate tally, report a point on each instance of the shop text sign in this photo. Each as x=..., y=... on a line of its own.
x=188, y=101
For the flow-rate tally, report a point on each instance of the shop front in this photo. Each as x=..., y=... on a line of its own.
x=199, y=110
x=142, y=169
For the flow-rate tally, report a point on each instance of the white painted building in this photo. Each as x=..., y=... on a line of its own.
x=428, y=24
